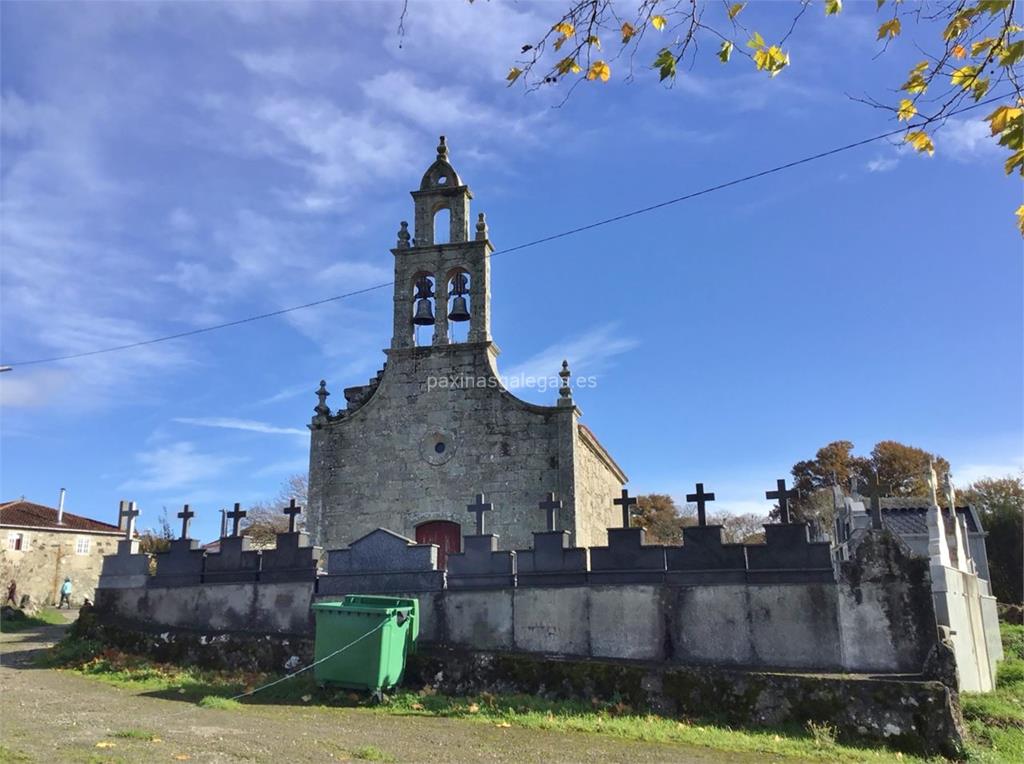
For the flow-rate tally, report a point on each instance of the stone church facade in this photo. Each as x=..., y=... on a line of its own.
x=436, y=426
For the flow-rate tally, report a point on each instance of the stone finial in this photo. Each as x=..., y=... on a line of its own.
x=322, y=409
x=564, y=391
x=481, y=227
x=404, y=237
x=933, y=483
x=442, y=149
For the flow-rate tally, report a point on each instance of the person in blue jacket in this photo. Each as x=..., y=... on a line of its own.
x=65, y=593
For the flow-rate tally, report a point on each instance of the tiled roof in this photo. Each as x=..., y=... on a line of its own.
x=910, y=520
x=28, y=514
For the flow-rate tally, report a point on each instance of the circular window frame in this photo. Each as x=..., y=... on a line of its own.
x=429, y=444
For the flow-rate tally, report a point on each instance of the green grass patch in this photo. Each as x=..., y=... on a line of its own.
x=10, y=756
x=133, y=734
x=371, y=753
x=1013, y=640
x=995, y=720
x=220, y=702
x=22, y=622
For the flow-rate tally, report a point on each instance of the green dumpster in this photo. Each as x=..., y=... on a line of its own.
x=374, y=662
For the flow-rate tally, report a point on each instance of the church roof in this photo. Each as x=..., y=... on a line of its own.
x=26, y=514
x=602, y=451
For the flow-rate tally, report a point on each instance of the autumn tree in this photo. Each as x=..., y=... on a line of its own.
x=1000, y=504
x=899, y=469
x=746, y=528
x=265, y=518
x=158, y=538
x=658, y=514
x=975, y=51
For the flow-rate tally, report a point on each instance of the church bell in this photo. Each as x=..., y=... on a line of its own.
x=424, y=315
x=460, y=311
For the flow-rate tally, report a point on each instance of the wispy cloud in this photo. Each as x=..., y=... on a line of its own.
x=587, y=353
x=176, y=466
x=246, y=425
x=965, y=139
x=882, y=164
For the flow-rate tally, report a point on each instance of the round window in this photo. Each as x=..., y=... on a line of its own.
x=437, y=447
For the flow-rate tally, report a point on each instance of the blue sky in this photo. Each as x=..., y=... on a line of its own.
x=171, y=165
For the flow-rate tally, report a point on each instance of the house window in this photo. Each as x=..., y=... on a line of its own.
x=17, y=542
x=82, y=545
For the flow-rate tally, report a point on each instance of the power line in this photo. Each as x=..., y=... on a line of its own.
x=534, y=243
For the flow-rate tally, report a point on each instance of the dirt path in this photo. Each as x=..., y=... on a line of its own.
x=54, y=716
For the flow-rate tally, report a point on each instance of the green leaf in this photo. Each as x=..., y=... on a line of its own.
x=756, y=41
x=1014, y=52
x=725, y=52
x=890, y=29
x=993, y=6
x=665, y=63
x=734, y=10
x=832, y=7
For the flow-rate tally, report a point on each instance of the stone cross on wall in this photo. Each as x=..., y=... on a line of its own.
x=783, y=496
x=186, y=516
x=702, y=499
x=293, y=510
x=128, y=511
x=626, y=502
x=481, y=506
x=236, y=516
x=551, y=505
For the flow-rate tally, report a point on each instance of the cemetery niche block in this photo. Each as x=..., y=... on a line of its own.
x=551, y=562
x=788, y=555
x=382, y=562
x=627, y=559
x=126, y=569
x=480, y=565
x=236, y=562
x=291, y=559
x=703, y=558
x=180, y=565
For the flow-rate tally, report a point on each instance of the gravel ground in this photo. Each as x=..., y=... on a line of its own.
x=54, y=716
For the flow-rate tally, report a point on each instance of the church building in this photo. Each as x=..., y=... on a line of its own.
x=436, y=426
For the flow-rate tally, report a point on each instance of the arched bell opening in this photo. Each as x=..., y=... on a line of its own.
x=423, y=306
x=459, y=307
x=443, y=226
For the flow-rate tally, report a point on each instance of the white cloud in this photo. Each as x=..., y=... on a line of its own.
x=246, y=425
x=882, y=164
x=969, y=473
x=964, y=139
x=176, y=466
x=587, y=354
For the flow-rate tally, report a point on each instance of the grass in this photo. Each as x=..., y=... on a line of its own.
x=995, y=720
x=133, y=734
x=22, y=622
x=371, y=753
x=10, y=756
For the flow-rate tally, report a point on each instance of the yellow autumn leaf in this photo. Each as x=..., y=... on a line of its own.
x=921, y=141
x=734, y=10
x=959, y=51
x=503, y=725
x=1016, y=160
x=982, y=46
x=964, y=76
x=513, y=74
x=473, y=708
x=1000, y=119
x=567, y=65
x=593, y=40
x=106, y=744
x=599, y=70
x=960, y=24
x=756, y=41
x=1020, y=219
x=832, y=7
x=890, y=29
x=564, y=28
x=906, y=110
x=658, y=22
x=627, y=32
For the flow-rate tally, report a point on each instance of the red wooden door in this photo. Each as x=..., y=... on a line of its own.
x=447, y=536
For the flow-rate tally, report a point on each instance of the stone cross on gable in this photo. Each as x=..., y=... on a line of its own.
x=292, y=510
x=128, y=511
x=626, y=502
x=551, y=505
x=186, y=516
x=236, y=516
x=702, y=499
x=481, y=506
x=783, y=496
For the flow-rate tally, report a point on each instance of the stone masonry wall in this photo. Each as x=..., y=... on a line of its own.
x=596, y=485
x=379, y=467
x=40, y=569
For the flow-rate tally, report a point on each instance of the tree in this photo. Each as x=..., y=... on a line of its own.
x=977, y=47
x=1000, y=504
x=158, y=539
x=658, y=514
x=899, y=469
x=747, y=528
x=265, y=519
